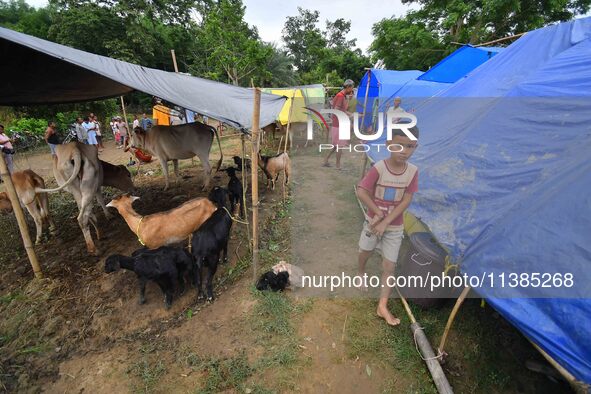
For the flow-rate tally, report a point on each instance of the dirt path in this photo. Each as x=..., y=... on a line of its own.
x=325, y=229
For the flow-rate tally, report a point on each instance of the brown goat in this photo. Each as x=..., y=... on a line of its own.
x=164, y=228
x=272, y=166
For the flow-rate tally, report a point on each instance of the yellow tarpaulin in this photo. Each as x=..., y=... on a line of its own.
x=161, y=115
x=299, y=112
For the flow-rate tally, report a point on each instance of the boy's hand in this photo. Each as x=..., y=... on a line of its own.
x=375, y=219
x=380, y=228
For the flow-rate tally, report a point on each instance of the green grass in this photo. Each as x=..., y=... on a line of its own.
x=149, y=372
x=8, y=298
x=224, y=373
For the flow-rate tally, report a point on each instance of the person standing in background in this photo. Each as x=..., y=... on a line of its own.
x=122, y=128
x=51, y=137
x=136, y=122
x=99, y=136
x=7, y=150
x=341, y=103
x=81, y=132
x=90, y=130
x=146, y=122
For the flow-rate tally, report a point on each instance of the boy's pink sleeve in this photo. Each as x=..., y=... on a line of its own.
x=4, y=139
x=369, y=180
x=413, y=187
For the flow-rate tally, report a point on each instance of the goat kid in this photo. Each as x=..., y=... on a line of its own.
x=210, y=240
x=165, y=266
x=272, y=166
x=235, y=191
x=238, y=161
x=183, y=261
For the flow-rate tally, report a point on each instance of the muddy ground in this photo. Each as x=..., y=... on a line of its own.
x=81, y=330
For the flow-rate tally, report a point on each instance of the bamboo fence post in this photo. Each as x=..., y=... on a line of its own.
x=363, y=117
x=20, y=218
x=287, y=136
x=255, y=181
x=126, y=123
x=244, y=188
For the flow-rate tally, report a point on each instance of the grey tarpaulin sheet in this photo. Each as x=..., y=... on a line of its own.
x=36, y=71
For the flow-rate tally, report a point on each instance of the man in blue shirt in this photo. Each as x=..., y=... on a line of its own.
x=146, y=123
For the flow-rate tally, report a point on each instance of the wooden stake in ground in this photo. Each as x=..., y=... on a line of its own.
x=363, y=116
x=244, y=187
x=20, y=218
x=426, y=351
x=287, y=136
x=254, y=172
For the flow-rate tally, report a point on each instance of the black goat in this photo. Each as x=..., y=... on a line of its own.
x=235, y=191
x=272, y=281
x=210, y=239
x=157, y=265
x=238, y=161
x=183, y=261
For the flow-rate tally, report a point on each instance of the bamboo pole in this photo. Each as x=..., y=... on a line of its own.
x=176, y=69
x=125, y=117
x=20, y=218
x=244, y=187
x=577, y=386
x=363, y=117
x=500, y=39
x=287, y=136
x=255, y=181
x=426, y=351
x=451, y=318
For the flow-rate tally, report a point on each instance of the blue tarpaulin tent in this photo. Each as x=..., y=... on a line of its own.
x=505, y=185
x=414, y=86
x=459, y=64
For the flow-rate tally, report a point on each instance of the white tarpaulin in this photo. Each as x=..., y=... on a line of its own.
x=37, y=71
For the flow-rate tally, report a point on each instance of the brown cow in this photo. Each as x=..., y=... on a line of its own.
x=26, y=184
x=117, y=177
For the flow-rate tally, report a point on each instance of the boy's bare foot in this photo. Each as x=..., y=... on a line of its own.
x=325, y=164
x=385, y=314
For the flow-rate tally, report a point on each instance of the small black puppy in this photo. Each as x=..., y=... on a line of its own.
x=238, y=162
x=272, y=281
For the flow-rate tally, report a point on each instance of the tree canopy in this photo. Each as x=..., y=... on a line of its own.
x=423, y=37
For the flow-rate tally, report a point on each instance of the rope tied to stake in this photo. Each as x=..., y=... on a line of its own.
x=233, y=218
x=414, y=334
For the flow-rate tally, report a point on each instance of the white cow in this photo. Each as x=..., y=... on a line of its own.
x=178, y=142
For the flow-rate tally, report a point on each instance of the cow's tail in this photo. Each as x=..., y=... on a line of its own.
x=215, y=132
x=77, y=158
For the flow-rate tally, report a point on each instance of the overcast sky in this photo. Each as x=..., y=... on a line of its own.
x=269, y=15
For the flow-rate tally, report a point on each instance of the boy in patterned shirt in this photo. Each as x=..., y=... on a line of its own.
x=387, y=190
